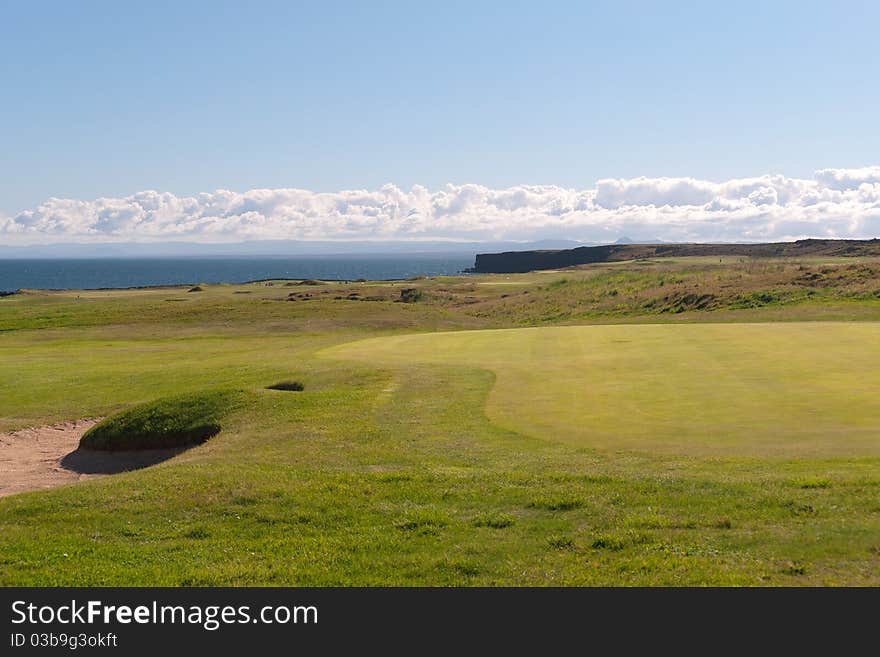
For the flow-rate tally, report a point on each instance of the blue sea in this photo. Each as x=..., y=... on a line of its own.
x=83, y=273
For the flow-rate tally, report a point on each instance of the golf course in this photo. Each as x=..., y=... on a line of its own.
x=679, y=421
x=802, y=389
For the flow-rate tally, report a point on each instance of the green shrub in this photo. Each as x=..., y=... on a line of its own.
x=168, y=422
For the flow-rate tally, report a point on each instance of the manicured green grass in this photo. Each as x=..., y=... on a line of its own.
x=398, y=464
x=176, y=421
x=794, y=389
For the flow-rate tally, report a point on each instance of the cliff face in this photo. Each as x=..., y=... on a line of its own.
x=511, y=262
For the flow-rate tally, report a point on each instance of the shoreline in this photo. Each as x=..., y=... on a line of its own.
x=340, y=281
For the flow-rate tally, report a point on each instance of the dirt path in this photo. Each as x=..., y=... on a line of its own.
x=45, y=457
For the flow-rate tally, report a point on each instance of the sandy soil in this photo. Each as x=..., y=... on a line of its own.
x=45, y=457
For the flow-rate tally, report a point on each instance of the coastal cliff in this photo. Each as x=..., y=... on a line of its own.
x=511, y=262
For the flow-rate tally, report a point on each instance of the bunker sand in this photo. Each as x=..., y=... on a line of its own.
x=45, y=457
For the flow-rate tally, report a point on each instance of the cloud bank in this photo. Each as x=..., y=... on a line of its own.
x=835, y=203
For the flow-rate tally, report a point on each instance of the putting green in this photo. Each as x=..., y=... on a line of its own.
x=785, y=389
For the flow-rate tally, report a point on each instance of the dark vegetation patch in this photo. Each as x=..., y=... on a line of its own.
x=411, y=295
x=800, y=509
x=290, y=386
x=794, y=568
x=560, y=542
x=308, y=281
x=196, y=288
x=197, y=533
x=494, y=520
x=177, y=421
x=608, y=542
x=423, y=522
x=458, y=567
x=9, y=293
x=756, y=299
x=558, y=283
x=680, y=302
x=833, y=276
x=807, y=484
x=556, y=503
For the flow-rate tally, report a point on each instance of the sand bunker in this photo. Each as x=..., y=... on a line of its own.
x=45, y=457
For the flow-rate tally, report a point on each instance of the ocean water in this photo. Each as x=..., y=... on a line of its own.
x=84, y=273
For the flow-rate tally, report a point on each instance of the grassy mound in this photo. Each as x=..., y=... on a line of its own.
x=168, y=422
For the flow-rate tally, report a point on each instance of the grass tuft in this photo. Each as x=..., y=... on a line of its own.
x=494, y=520
x=607, y=542
x=560, y=542
x=423, y=522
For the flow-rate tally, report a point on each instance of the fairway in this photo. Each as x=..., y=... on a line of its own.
x=764, y=390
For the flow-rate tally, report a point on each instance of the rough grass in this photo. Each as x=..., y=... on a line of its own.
x=177, y=421
x=686, y=289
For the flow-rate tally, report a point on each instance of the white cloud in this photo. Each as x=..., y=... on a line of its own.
x=843, y=179
x=836, y=203
x=611, y=193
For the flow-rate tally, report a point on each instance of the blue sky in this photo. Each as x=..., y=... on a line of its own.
x=110, y=99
